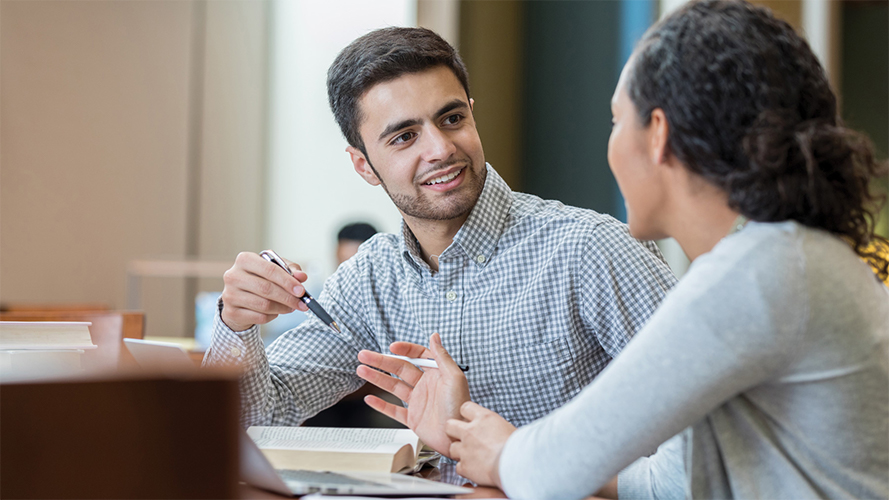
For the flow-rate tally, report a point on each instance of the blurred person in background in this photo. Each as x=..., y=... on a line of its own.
x=534, y=296
x=350, y=237
x=770, y=358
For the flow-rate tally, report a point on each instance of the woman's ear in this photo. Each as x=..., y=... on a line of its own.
x=659, y=132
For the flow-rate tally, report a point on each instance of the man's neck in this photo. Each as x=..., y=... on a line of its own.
x=434, y=236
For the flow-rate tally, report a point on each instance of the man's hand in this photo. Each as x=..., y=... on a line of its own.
x=257, y=291
x=478, y=442
x=433, y=396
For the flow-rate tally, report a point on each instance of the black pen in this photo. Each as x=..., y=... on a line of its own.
x=313, y=304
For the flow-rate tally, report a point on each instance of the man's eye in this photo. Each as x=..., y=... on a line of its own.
x=401, y=139
x=453, y=119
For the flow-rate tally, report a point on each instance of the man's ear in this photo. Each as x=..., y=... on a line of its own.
x=362, y=166
x=471, y=104
x=659, y=132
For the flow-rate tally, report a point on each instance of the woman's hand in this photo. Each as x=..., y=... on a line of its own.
x=433, y=396
x=478, y=442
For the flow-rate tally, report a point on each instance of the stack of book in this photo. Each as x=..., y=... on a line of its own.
x=42, y=348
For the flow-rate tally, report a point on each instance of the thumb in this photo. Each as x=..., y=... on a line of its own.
x=442, y=358
x=297, y=271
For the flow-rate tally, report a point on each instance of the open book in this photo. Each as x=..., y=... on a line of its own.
x=338, y=449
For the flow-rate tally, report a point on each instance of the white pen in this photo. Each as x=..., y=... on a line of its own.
x=421, y=362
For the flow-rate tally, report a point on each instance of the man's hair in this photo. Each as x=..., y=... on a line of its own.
x=358, y=231
x=380, y=56
x=751, y=111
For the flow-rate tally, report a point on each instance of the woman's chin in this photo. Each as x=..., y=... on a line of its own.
x=642, y=231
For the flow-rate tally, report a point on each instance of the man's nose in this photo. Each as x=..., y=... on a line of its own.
x=437, y=145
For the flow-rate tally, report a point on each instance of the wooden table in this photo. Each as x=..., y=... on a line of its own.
x=431, y=473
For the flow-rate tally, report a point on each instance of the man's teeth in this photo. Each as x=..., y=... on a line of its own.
x=444, y=178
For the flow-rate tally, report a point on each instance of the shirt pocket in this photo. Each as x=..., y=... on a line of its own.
x=530, y=381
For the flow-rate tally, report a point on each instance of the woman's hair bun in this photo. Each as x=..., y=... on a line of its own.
x=751, y=111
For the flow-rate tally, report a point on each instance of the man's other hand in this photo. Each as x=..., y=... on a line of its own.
x=433, y=396
x=257, y=291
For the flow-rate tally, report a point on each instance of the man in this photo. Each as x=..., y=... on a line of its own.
x=533, y=296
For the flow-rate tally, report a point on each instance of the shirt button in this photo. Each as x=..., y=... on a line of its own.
x=480, y=259
x=452, y=295
x=236, y=352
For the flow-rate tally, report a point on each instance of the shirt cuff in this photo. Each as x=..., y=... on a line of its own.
x=220, y=326
x=634, y=482
x=228, y=346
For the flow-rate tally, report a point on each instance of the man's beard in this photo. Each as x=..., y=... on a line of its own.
x=456, y=203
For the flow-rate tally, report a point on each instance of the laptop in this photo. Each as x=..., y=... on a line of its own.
x=162, y=356
x=257, y=471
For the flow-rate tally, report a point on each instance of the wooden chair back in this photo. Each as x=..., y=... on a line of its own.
x=120, y=437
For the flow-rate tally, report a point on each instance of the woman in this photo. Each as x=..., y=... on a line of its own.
x=770, y=355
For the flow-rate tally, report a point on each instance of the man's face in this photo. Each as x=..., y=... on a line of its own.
x=422, y=145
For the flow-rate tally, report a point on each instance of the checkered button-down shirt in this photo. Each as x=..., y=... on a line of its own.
x=534, y=296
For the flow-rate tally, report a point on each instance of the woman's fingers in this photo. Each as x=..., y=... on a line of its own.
x=470, y=411
x=454, y=450
x=456, y=429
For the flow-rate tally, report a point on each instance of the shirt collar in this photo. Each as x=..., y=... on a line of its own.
x=480, y=233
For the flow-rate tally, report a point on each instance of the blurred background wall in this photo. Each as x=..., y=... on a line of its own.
x=190, y=130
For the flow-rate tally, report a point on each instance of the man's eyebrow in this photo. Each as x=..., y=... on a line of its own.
x=447, y=108
x=394, y=127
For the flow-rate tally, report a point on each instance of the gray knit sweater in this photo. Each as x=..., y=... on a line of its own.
x=772, y=355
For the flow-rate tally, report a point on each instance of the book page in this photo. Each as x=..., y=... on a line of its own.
x=16, y=335
x=333, y=439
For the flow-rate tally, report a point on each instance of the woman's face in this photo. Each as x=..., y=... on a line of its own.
x=630, y=157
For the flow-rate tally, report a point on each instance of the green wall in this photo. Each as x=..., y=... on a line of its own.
x=865, y=78
x=571, y=68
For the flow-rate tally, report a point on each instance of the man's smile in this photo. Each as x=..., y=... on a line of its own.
x=446, y=181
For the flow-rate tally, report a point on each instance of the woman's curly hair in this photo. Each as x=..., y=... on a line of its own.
x=751, y=111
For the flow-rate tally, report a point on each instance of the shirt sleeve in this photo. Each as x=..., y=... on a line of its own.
x=658, y=477
x=308, y=368
x=698, y=350
x=624, y=281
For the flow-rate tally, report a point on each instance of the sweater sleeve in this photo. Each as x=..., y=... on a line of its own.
x=658, y=477
x=724, y=329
